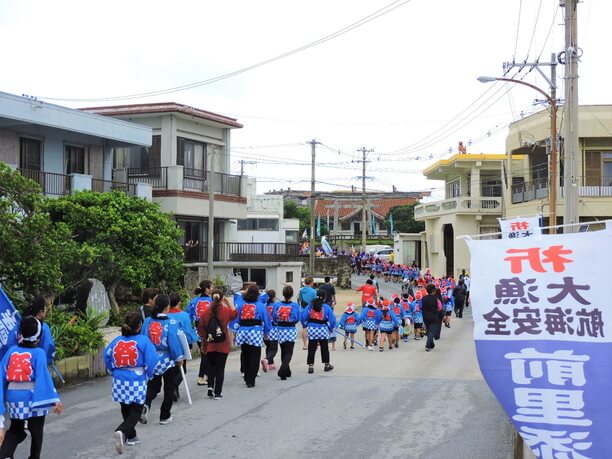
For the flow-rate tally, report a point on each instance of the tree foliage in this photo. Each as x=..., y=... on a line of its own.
x=293, y=210
x=403, y=219
x=31, y=246
x=120, y=239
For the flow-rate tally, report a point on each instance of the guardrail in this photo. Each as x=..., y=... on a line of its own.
x=51, y=183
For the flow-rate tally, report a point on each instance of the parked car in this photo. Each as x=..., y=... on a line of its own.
x=384, y=254
x=372, y=249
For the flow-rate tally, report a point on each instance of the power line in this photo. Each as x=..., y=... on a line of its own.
x=370, y=17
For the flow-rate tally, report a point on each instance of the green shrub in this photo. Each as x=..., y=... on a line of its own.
x=116, y=318
x=76, y=334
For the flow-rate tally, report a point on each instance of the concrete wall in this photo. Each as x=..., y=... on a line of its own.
x=9, y=147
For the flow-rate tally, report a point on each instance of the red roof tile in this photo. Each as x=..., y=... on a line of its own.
x=347, y=208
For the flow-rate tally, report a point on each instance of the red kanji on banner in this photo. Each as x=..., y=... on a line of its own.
x=155, y=333
x=19, y=367
x=125, y=354
x=551, y=255
x=517, y=226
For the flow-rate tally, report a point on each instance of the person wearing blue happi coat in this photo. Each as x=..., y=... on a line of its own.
x=27, y=390
x=253, y=323
x=132, y=359
x=319, y=320
x=163, y=331
x=285, y=315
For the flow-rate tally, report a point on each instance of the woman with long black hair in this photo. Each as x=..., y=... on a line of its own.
x=285, y=316
x=319, y=320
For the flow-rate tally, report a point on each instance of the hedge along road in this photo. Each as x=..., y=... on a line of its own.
x=403, y=403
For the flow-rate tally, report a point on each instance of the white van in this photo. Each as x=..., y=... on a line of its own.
x=372, y=249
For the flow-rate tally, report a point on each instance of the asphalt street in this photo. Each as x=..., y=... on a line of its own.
x=404, y=403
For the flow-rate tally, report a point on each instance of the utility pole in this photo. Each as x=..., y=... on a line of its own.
x=210, y=246
x=242, y=163
x=554, y=137
x=364, y=151
x=571, y=147
x=311, y=258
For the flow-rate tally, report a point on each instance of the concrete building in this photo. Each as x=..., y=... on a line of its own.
x=264, y=222
x=177, y=165
x=526, y=191
x=473, y=202
x=63, y=149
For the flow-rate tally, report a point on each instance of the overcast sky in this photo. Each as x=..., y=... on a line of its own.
x=386, y=85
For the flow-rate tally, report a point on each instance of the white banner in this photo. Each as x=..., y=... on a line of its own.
x=513, y=228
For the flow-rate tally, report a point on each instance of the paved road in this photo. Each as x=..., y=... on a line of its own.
x=404, y=403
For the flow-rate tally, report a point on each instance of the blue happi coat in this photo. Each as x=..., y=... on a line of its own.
x=163, y=333
x=27, y=385
x=132, y=361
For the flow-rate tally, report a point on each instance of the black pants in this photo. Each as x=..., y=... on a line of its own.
x=154, y=387
x=271, y=350
x=16, y=434
x=312, y=350
x=286, y=354
x=249, y=362
x=431, y=333
x=131, y=414
x=439, y=324
x=216, y=371
x=459, y=308
x=203, y=364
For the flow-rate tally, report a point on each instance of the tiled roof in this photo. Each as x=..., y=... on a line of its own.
x=380, y=207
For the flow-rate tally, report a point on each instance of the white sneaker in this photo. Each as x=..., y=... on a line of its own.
x=163, y=422
x=119, y=440
x=370, y=348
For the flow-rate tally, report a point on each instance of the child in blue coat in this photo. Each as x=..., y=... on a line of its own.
x=27, y=390
x=285, y=316
x=319, y=320
x=132, y=359
x=253, y=323
x=349, y=322
x=196, y=307
x=370, y=318
x=163, y=333
x=387, y=323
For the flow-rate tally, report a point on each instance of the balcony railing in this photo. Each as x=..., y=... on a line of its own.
x=243, y=251
x=105, y=186
x=461, y=205
x=225, y=184
x=157, y=177
x=52, y=184
x=588, y=187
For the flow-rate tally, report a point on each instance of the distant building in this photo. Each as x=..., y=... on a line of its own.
x=345, y=211
x=471, y=205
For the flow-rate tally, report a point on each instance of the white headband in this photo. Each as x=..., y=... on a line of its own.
x=36, y=335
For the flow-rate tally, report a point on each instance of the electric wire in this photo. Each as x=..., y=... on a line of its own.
x=370, y=17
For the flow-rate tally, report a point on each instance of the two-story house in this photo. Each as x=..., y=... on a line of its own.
x=64, y=149
x=186, y=141
x=472, y=204
x=527, y=190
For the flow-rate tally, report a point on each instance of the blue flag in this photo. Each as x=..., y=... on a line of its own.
x=319, y=226
x=391, y=223
x=9, y=322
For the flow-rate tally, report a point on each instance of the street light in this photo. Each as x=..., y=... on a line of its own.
x=552, y=196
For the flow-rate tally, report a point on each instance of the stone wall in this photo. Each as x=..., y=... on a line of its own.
x=339, y=266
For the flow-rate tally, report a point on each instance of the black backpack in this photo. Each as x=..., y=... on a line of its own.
x=214, y=332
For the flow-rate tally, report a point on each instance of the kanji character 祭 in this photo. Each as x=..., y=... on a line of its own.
x=155, y=333
x=125, y=354
x=556, y=444
x=19, y=368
